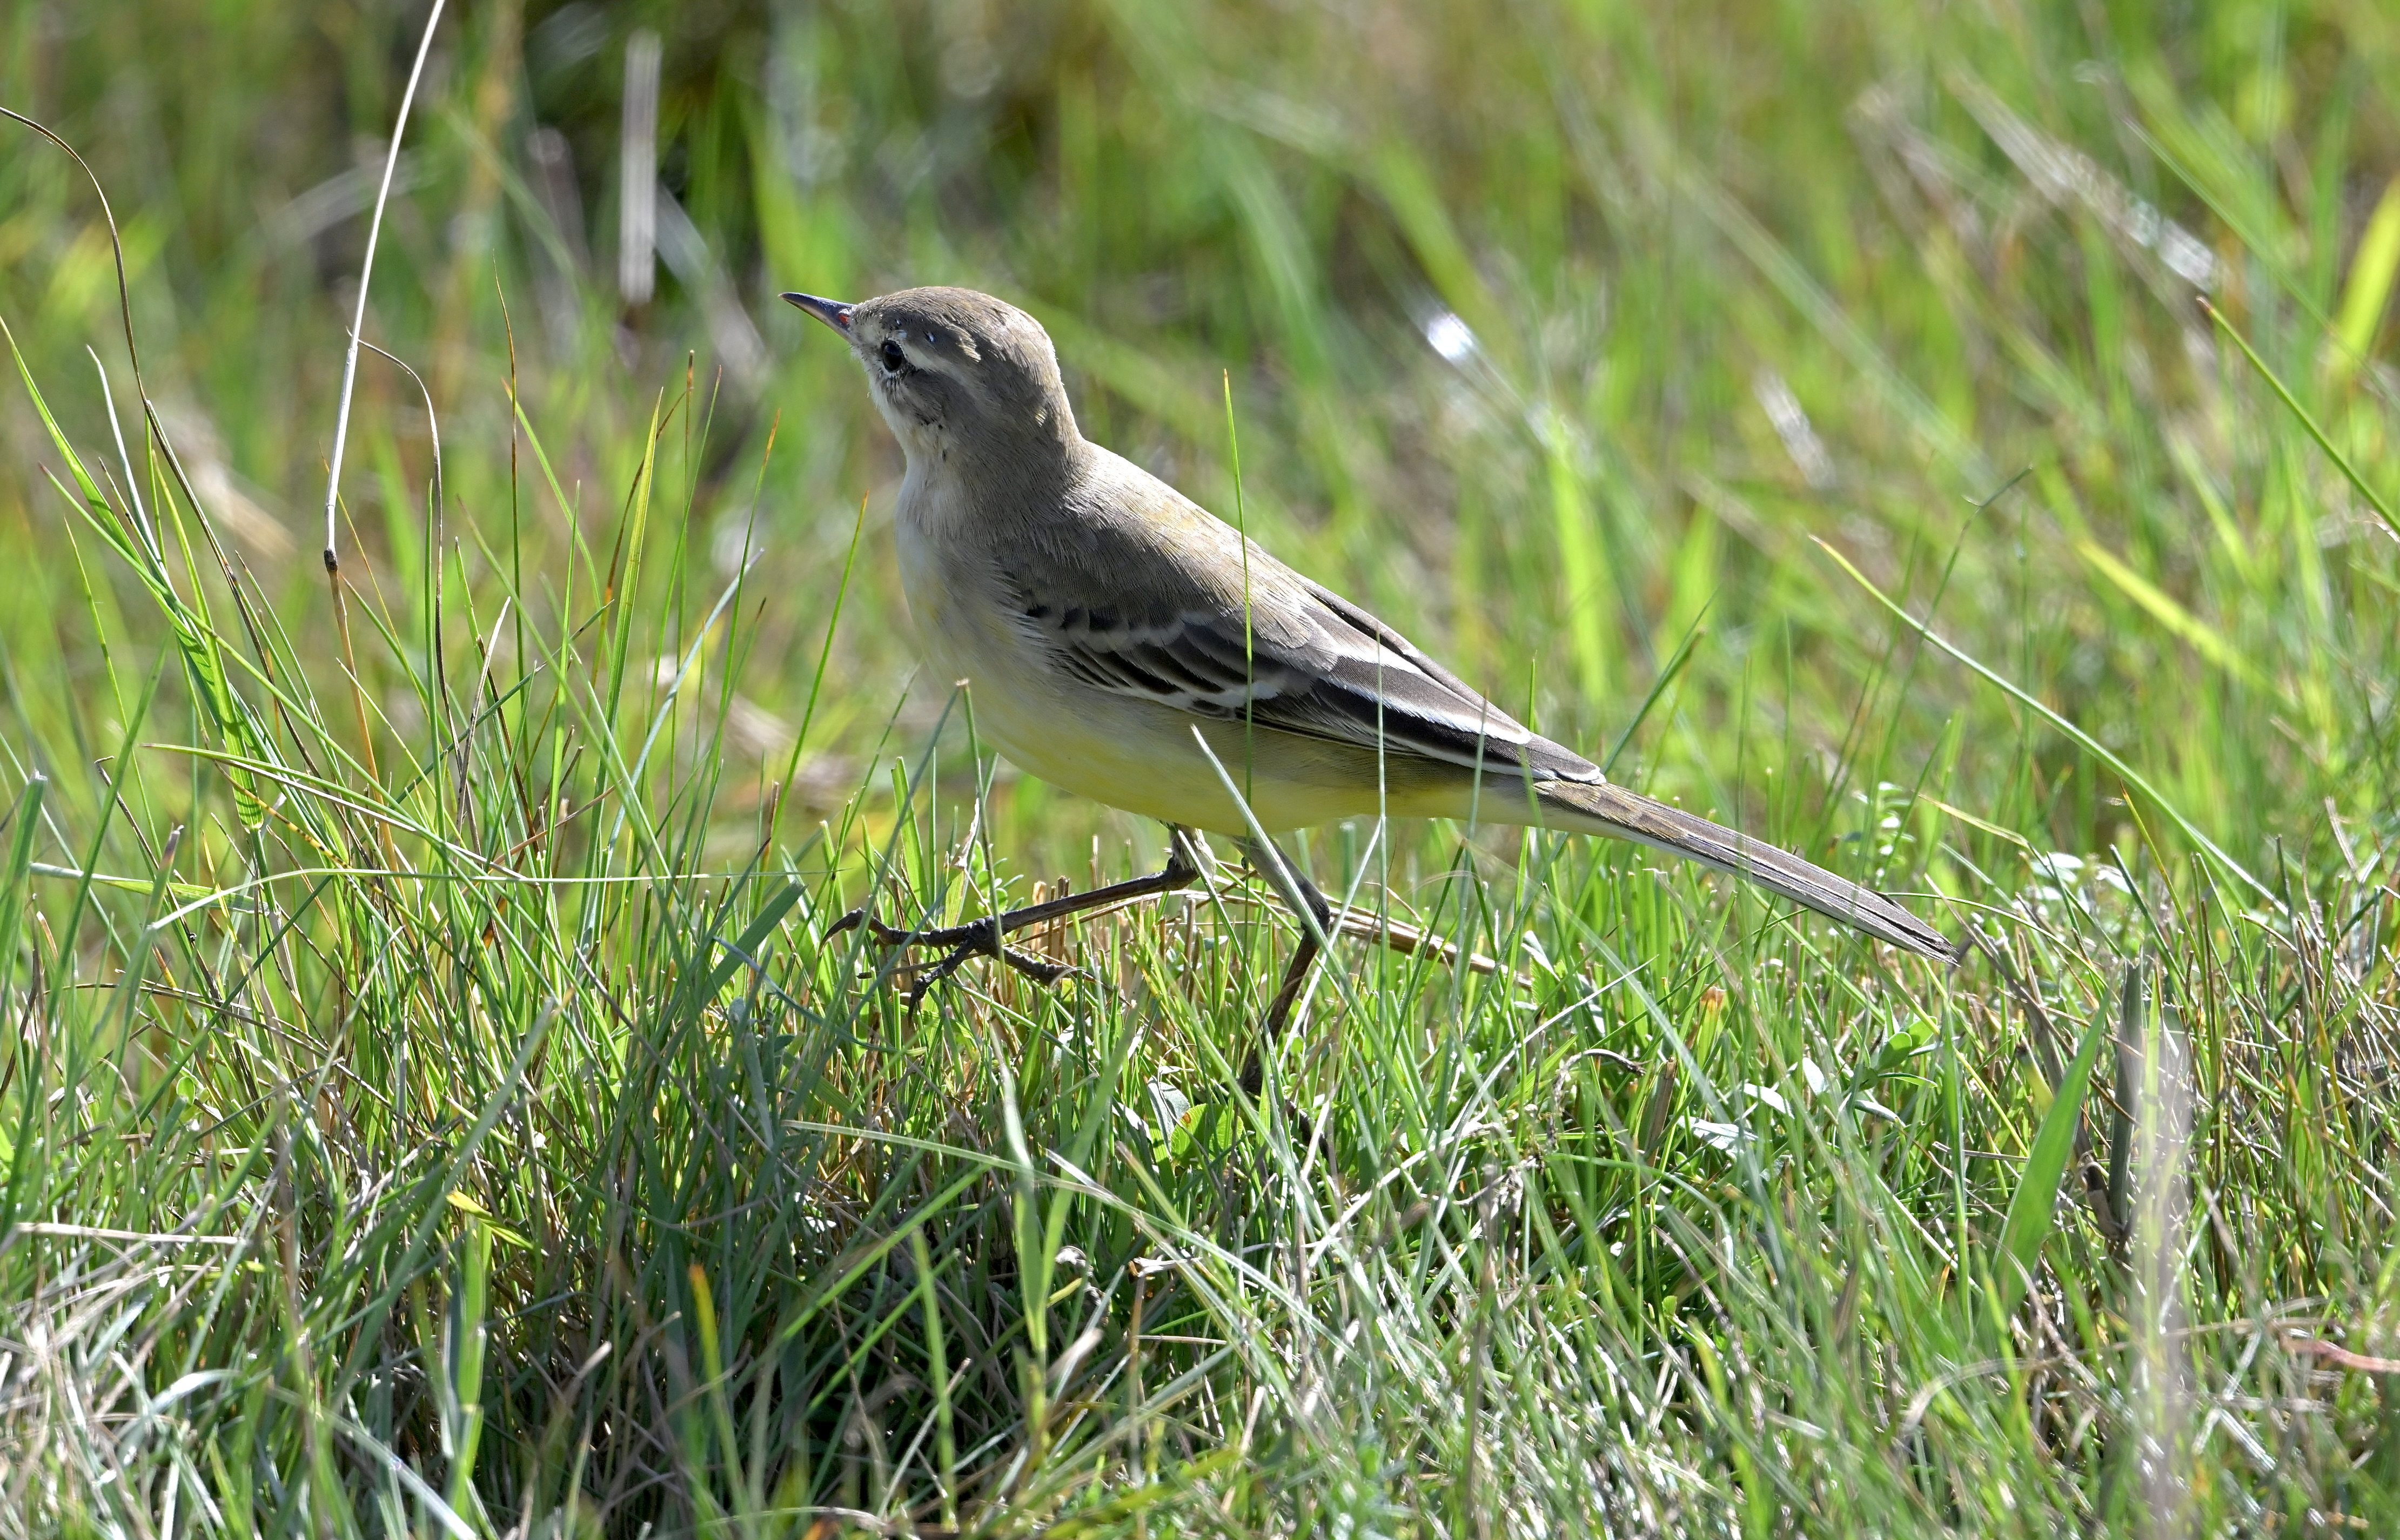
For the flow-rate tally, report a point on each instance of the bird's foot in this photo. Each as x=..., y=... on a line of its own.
x=988, y=938
x=967, y=942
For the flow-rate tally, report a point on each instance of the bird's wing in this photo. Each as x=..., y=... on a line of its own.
x=1164, y=609
x=1174, y=608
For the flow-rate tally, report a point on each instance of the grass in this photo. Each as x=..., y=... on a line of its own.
x=438, y=1101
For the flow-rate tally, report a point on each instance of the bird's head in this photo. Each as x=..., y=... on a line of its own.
x=957, y=375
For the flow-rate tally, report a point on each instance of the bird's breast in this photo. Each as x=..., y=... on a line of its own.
x=946, y=603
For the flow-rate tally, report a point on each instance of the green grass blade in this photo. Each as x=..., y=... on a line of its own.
x=2036, y=1198
x=2090, y=744
x=2307, y=421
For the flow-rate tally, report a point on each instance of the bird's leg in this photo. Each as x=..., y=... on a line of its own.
x=987, y=937
x=1298, y=891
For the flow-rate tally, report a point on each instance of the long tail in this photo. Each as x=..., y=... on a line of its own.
x=1598, y=808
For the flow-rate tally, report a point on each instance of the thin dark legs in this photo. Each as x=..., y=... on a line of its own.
x=987, y=937
x=1300, y=893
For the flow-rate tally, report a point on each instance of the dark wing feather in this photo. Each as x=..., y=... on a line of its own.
x=1313, y=664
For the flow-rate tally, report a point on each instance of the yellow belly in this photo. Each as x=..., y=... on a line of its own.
x=1145, y=759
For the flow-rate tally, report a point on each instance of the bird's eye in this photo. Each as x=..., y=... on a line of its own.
x=894, y=359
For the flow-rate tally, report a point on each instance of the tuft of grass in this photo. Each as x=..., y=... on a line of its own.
x=437, y=1099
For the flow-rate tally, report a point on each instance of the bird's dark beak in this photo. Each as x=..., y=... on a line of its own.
x=833, y=312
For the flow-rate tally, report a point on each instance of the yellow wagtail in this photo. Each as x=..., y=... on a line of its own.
x=1108, y=626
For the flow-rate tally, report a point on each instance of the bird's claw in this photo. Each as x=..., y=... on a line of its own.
x=975, y=939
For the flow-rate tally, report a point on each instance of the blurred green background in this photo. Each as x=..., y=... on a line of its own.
x=1604, y=347
x=1723, y=281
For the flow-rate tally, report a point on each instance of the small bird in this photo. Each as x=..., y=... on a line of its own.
x=1108, y=627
